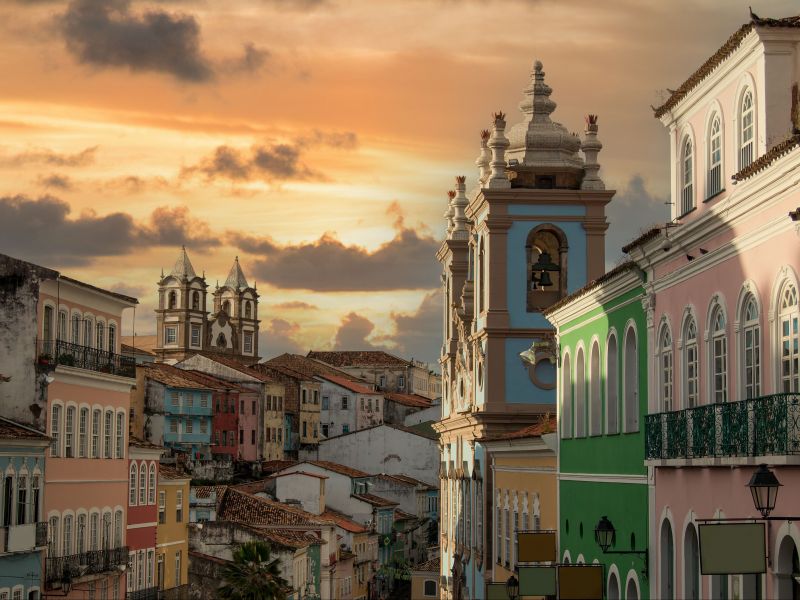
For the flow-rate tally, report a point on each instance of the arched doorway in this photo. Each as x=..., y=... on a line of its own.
x=691, y=564
x=631, y=591
x=667, y=562
x=788, y=571
x=613, y=586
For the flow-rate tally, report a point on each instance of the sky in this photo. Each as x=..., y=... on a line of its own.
x=314, y=139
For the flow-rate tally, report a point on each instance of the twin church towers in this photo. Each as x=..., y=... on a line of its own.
x=185, y=326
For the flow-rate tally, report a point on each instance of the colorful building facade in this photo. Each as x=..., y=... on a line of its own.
x=172, y=548
x=141, y=524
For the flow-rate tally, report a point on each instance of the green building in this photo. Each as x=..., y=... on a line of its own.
x=602, y=394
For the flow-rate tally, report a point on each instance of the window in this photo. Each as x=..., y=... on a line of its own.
x=52, y=541
x=325, y=402
x=665, y=368
x=108, y=433
x=241, y=406
x=226, y=307
x=566, y=398
x=430, y=588
x=96, y=433
x=101, y=336
x=69, y=432
x=170, y=335
x=746, y=130
x=345, y=428
x=87, y=331
x=195, y=329
x=580, y=394
x=179, y=506
x=325, y=430
x=188, y=426
x=55, y=430
x=162, y=507
x=177, y=568
x=62, y=325
x=80, y=540
x=719, y=357
x=248, y=341
x=173, y=425
x=76, y=329
x=280, y=434
x=174, y=398
x=160, y=571
x=382, y=381
x=47, y=327
x=516, y=539
x=252, y=436
x=790, y=354
x=120, y=435
x=631, y=381
x=714, y=185
x=667, y=557
x=231, y=438
x=151, y=492
x=751, y=346
x=150, y=555
x=172, y=300
x=8, y=499
x=203, y=425
x=118, y=529
x=401, y=382
x=254, y=407
x=305, y=429
x=132, y=485
x=303, y=394
x=204, y=400
x=112, y=337
x=196, y=301
x=94, y=531
x=690, y=362
x=142, y=484
x=22, y=499
x=612, y=385
x=189, y=400
x=595, y=402
x=248, y=310
x=106, y=530
x=546, y=261
x=83, y=423
x=140, y=569
x=36, y=494
x=241, y=436
x=507, y=524
x=216, y=437
x=344, y=402
x=687, y=175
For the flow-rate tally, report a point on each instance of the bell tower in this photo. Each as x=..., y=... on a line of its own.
x=181, y=316
x=234, y=324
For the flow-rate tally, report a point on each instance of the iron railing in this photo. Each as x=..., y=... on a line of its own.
x=150, y=593
x=59, y=352
x=765, y=426
x=66, y=568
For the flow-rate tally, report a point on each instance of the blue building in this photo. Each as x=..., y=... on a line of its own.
x=177, y=409
x=530, y=232
x=23, y=534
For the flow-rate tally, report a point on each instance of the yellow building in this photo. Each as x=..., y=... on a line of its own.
x=172, y=548
x=425, y=581
x=274, y=421
x=524, y=468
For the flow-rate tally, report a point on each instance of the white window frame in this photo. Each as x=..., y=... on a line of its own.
x=789, y=336
x=751, y=347
x=687, y=200
x=133, y=484
x=142, y=484
x=97, y=418
x=566, y=416
x=666, y=370
x=170, y=334
x=611, y=361
x=715, y=149
x=55, y=429
x=747, y=129
x=718, y=356
x=83, y=432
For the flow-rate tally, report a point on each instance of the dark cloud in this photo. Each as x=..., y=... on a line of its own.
x=347, y=140
x=353, y=332
x=253, y=59
x=133, y=184
x=43, y=230
x=295, y=305
x=128, y=289
x=105, y=33
x=278, y=162
x=278, y=336
x=45, y=156
x=632, y=211
x=61, y=182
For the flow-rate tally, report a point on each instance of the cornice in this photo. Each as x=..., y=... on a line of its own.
x=594, y=299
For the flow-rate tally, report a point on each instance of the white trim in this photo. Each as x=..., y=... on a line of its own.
x=142, y=525
x=175, y=543
x=595, y=299
x=602, y=478
x=524, y=469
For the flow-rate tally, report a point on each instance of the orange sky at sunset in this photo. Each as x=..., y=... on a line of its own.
x=316, y=139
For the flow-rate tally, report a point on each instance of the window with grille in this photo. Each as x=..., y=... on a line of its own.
x=719, y=358
x=55, y=430
x=120, y=435
x=746, y=130
x=714, y=185
x=143, y=484
x=96, y=416
x=162, y=507
x=790, y=354
x=69, y=432
x=687, y=179
x=691, y=363
x=108, y=434
x=132, y=485
x=751, y=343
x=151, y=492
x=666, y=370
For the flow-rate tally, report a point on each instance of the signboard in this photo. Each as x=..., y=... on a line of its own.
x=496, y=591
x=537, y=546
x=537, y=581
x=580, y=582
x=732, y=548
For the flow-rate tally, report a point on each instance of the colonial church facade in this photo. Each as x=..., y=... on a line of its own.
x=186, y=326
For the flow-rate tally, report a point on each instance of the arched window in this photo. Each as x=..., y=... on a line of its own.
x=691, y=365
x=173, y=300
x=120, y=435
x=66, y=546
x=751, y=348
x=69, y=432
x=595, y=402
x=580, y=394
x=481, y=277
x=151, y=491
x=112, y=337
x=87, y=331
x=665, y=368
x=613, y=587
x=118, y=529
x=101, y=336
x=719, y=357
x=47, y=330
x=76, y=329
x=94, y=531
x=226, y=307
x=221, y=341
x=132, y=494
x=62, y=326
x=546, y=260
x=108, y=434
x=631, y=381
x=83, y=423
x=687, y=176
x=612, y=385
x=53, y=537
x=142, y=484
x=691, y=564
x=80, y=538
x=55, y=430
x=429, y=588
x=106, y=530
x=195, y=300
x=96, y=417
x=714, y=184
x=566, y=398
x=746, y=130
x=248, y=309
x=790, y=355
x=667, y=552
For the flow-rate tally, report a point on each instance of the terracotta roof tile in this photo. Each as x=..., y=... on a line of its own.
x=10, y=430
x=432, y=566
x=359, y=358
x=408, y=399
x=237, y=366
x=255, y=511
x=307, y=366
x=375, y=500
x=401, y=515
x=174, y=377
x=344, y=521
x=217, y=382
x=648, y=235
x=406, y=480
x=171, y=473
x=337, y=468
x=138, y=443
x=273, y=466
x=349, y=384
x=306, y=473
x=773, y=154
x=531, y=431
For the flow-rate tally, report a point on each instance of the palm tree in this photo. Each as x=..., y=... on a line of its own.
x=253, y=575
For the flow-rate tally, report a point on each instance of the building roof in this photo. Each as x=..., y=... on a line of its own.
x=306, y=473
x=337, y=468
x=406, y=480
x=236, y=279
x=142, y=343
x=175, y=377
x=648, y=235
x=273, y=466
x=412, y=400
x=281, y=370
x=401, y=515
x=171, y=473
x=307, y=366
x=431, y=566
x=217, y=382
x=728, y=48
x=139, y=443
x=183, y=266
x=344, y=521
x=626, y=266
x=205, y=491
x=256, y=511
x=127, y=349
x=11, y=430
x=359, y=358
x=237, y=366
x=421, y=432
x=766, y=159
x=349, y=385
x=375, y=500
x=544, y=426
x=94, y=288
x=253, y=487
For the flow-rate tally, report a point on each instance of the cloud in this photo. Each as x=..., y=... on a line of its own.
x=128, y=289
x=253, y=59
x=45, y=156
x=353, y=332
x=634, y=209
x=278, y=162
x=346, y=140
x=61, y=182
x=133, y=184
x=43, y=230
x=105, y=33
x=295, y=305
x=278, y=336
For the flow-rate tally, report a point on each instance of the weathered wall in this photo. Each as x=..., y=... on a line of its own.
x=434, y=413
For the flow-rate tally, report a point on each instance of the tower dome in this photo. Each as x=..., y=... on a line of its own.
x=542, y=153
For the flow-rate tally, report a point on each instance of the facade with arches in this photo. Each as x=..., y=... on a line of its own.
x=602, y=392
x=185, y=325
x=530, y=231
x=722, y=313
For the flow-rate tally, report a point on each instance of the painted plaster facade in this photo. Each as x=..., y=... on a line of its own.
x=142, y=514
x=172, y=548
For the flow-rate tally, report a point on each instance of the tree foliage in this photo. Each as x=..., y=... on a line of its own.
x=253, y=575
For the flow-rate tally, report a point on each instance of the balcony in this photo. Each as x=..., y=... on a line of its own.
x=58, y=352
x=765, y=426
x=59, y=569
x=23, y=538
x=150, y=593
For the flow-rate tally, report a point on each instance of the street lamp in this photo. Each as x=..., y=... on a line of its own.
x=764, y=488
x=605, y=535
x=512, y=588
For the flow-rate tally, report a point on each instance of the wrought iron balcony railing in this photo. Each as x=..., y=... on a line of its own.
x=765, y=426
x=59, y=352
x=151, y=593
x=66, y=568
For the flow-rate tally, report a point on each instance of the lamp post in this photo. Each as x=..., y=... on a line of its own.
x=605, y=535
x=764, y=488
x=512, y=588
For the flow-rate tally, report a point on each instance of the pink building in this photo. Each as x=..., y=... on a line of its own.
x=723, y=315
x=88, y=400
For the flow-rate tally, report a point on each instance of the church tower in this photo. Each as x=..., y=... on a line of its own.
x=181, y=316
x=234, y=323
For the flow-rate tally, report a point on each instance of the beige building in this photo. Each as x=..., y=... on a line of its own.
x=425, y=581
x=273, y=421
x=172, y=548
